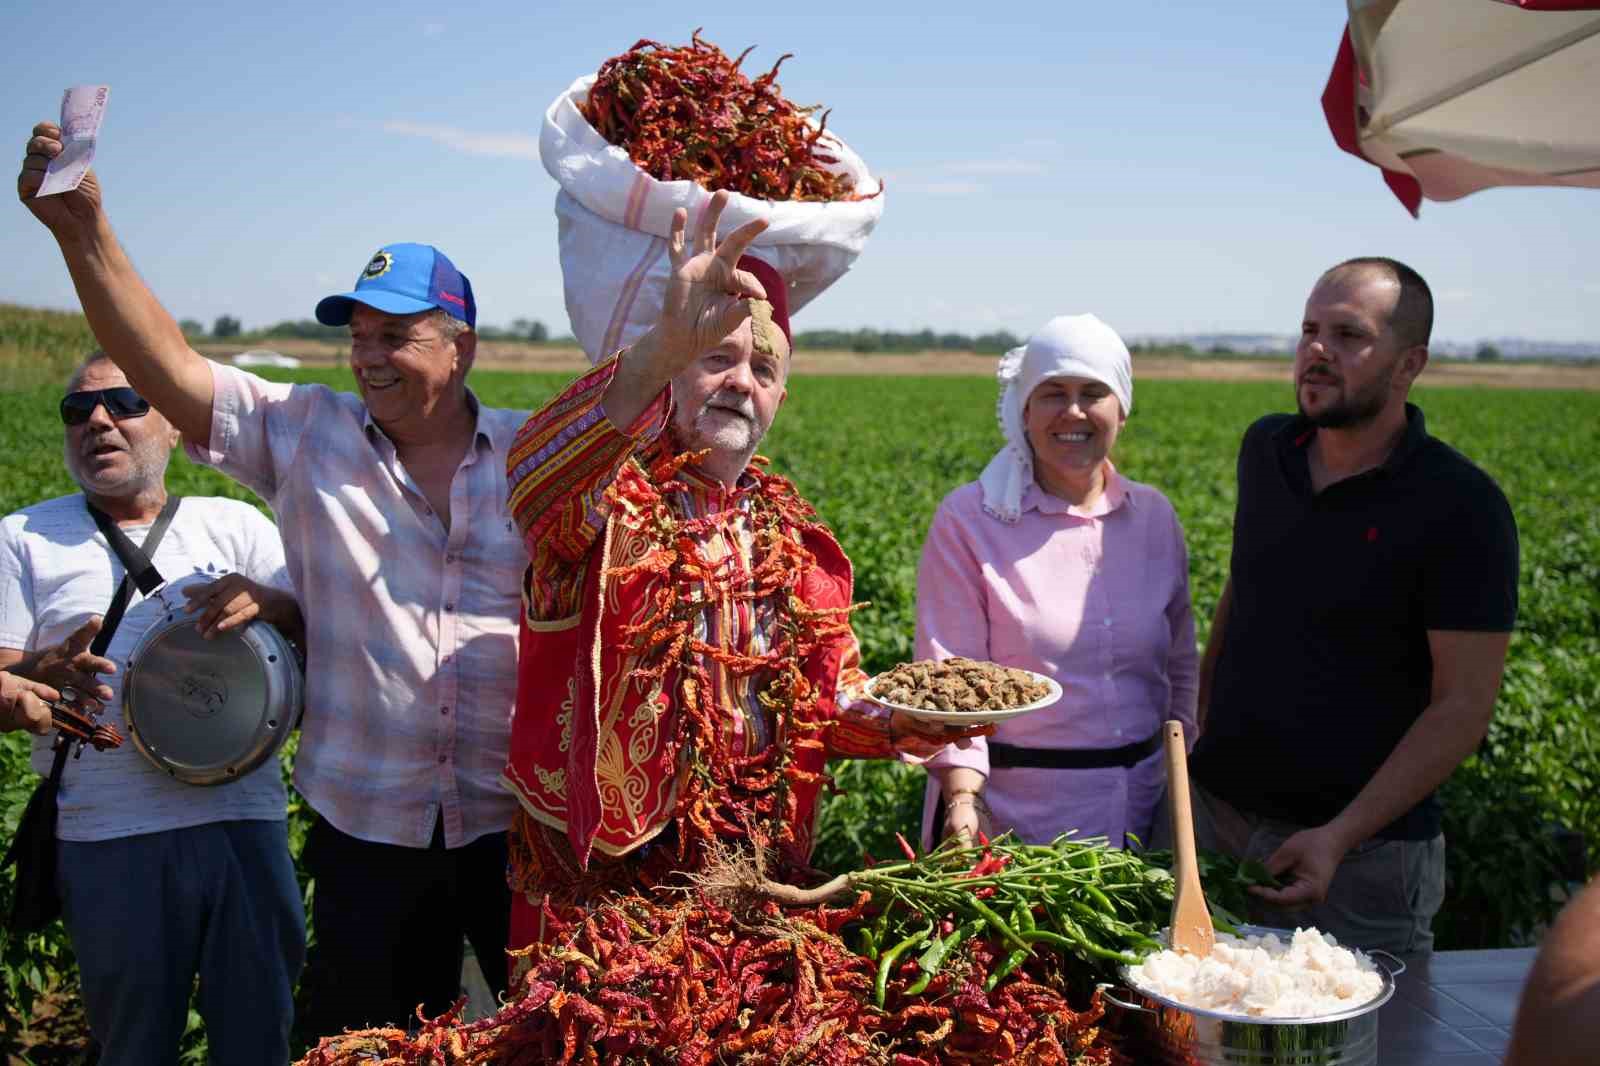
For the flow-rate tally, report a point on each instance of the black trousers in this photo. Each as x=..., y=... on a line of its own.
x=388, y=924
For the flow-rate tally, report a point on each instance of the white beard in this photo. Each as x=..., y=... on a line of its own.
x=733, y=435
x=723, y=431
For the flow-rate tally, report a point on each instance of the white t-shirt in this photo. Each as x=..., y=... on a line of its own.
x=56, y=569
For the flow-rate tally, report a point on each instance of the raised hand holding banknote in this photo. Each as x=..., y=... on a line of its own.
x=128, y=321
x=64, y=210
x=83, y=108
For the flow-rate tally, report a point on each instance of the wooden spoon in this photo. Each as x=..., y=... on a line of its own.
x=1191, y=920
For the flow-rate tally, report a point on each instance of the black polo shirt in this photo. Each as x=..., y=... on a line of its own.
x=1325, y=661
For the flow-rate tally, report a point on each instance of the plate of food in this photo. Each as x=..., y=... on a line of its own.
x=962, y=691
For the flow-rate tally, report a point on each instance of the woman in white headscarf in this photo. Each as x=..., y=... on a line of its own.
x=1054, y=562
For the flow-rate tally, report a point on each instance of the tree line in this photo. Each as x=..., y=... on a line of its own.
x=533, y=331
x=868, y=341
x=863, y=341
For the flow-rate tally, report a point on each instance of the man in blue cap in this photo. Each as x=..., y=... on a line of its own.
x=408, y=569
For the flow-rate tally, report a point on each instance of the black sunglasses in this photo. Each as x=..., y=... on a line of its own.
x=123, y=402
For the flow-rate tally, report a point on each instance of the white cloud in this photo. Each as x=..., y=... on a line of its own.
x=497, y=145
x=1589, y=286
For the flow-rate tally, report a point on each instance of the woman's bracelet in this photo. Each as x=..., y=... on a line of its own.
x=976, y=795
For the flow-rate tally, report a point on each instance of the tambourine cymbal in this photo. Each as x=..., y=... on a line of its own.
x=209, y=711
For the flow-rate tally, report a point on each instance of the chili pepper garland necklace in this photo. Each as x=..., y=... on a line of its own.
x=726, y=794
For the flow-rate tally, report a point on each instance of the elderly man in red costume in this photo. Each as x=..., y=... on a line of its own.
x=686, y=656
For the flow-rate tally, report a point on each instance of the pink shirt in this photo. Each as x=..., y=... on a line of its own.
x=1097, y=598
x=411, y=628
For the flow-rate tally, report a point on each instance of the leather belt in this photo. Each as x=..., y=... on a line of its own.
x=1007, y=756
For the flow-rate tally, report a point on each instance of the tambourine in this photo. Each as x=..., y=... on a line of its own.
x=209, y=711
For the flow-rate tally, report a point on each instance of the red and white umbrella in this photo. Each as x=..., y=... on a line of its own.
x=1452, y=96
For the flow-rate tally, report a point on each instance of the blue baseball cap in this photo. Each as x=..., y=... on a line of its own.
x=403, y=279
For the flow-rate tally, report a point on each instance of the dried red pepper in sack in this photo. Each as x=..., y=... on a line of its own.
x=662, y=127
x=690, y=113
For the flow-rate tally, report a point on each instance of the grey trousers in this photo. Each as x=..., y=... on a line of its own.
x=1383, y=895
x=149, y=913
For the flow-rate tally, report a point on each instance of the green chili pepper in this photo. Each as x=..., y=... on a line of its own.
x=880, y=927
x=1084, y=911
x=1110, y=926
x=1079, y=944
x=933, y=958
x=1001, y=972
x=1100, y=898
x=880, y=987
x=1008, y=934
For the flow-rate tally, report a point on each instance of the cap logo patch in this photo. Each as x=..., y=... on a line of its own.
x=378, y=267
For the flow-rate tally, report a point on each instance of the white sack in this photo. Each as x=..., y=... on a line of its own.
x=614, y=221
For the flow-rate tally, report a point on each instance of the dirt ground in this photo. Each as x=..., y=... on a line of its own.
x=496, y=355
x=57, y=1033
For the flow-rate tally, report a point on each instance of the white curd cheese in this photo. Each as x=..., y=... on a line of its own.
x=1264, y=976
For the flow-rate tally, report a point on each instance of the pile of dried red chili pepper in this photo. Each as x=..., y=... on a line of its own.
x=694, y=981
x=689, y=113
x=728, y=795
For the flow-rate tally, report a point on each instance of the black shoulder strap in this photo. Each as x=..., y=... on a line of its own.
x=140, y=571
x=136, y=560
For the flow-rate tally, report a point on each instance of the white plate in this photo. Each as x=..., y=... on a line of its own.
x=975, y=717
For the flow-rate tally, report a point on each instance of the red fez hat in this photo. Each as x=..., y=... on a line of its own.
x=777, y=291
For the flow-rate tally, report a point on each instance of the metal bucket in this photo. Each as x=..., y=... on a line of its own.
x=1163, y=1031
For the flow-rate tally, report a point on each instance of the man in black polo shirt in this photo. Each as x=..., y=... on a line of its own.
x=1359, y=641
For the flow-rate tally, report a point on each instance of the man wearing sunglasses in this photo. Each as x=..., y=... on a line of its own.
x=160, y=881
x=392, y=506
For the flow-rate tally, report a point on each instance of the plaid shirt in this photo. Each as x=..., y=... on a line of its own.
x=411, y=629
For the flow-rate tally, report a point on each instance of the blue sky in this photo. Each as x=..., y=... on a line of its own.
x=1162, y=164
